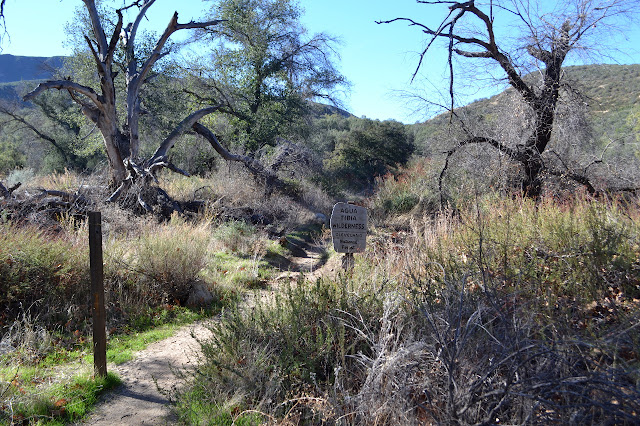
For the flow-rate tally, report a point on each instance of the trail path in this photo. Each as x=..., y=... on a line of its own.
x=138, y=401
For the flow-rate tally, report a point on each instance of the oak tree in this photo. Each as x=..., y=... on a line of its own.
x=115, y=56
x=264, y=69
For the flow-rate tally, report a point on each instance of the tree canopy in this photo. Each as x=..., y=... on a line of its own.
x=264, y=69
x=365, y=149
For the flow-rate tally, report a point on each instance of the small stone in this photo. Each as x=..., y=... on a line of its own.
x=199, y=296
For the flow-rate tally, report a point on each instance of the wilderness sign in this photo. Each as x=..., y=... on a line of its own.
x=349, y=228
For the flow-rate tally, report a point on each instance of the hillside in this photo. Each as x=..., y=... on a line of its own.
x=20, y=73
x=611, y=93
x=20, y=68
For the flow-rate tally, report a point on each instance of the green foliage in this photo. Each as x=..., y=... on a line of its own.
x=263, y=70
x=634, y=120
x=239, y=271
x=368, y=150
x=10, y=157
x=71, y=141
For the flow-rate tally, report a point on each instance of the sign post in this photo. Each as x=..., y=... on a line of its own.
x=97, y=295
x=348, y=231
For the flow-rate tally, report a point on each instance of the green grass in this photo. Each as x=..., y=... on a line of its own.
x=38, y=396
x=200, y=411
x=238, y=272
x=43, y=393
x=121, y=348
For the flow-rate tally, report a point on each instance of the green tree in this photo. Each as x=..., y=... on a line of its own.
x=367, y=150
x=10, y=156
x=264, y=70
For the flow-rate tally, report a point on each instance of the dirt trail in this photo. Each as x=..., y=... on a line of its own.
x=137, y=401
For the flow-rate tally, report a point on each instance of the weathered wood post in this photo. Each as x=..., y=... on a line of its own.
x=97, y=295
x=348, y=231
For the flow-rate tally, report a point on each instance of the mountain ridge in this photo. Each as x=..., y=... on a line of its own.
x=24, y=68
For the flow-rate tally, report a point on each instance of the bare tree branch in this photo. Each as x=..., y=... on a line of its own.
x=469, y=33
x=67, y=85
x=184, y=126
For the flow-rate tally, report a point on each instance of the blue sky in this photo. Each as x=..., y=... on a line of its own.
x=378, y=59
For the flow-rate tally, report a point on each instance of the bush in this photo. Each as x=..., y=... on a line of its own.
x=41, y=273
x=10, y=157
x=259, y=357
x=167, y=259
x=368, y=150
x=22, y=176
x=413, y=187
x=475, y=356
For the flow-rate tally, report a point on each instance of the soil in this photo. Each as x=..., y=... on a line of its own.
x=148, y=379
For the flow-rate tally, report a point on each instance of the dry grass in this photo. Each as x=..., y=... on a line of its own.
x=504, y=311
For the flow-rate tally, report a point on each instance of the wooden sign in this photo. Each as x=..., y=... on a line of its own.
x=349, y=228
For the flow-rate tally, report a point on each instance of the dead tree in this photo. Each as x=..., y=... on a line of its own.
x=469, y=32
x=122, y=139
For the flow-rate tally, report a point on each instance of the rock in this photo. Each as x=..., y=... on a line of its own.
x=199, y=296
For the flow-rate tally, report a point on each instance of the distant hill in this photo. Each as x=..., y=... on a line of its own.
x=319, y=110
x=19, y=74
x=20, y=68
x=611, y=92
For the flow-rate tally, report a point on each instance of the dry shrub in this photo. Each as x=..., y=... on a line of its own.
x=237, y=237
x=505, y=311
x=164, y=260
x=46, y=272
x=470, y=356
x=231, y=193
x=526, y=315
x=26, y=338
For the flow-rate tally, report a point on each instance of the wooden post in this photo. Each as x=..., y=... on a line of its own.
x=97, y=295
x=348, y=262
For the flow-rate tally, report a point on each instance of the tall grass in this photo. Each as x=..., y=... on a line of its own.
x=40, y=272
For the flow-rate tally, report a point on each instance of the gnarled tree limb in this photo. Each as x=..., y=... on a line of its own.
x=97, y=100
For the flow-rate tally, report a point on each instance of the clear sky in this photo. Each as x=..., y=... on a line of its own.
x=378, y=59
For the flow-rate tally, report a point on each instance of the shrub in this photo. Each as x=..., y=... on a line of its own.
x=10, y=157
x=260, y=356
x=476, y=356
x=369, y=149
x=412, y=188
x=41, y=273
x=20, y=176
x=169, y=258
